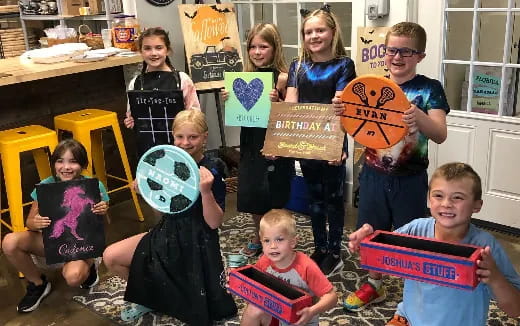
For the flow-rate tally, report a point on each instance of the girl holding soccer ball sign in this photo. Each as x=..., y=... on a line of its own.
x=179, y=259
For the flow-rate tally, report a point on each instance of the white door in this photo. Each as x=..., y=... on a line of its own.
x=479, y=68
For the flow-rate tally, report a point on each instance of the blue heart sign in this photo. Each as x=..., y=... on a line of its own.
x=248, y=104
x=248, y=94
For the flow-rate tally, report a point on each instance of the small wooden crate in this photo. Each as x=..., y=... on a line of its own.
x=421, y=259
x=269, y=293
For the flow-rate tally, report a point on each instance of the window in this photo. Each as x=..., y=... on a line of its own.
x=286, y=15
x=480, y=60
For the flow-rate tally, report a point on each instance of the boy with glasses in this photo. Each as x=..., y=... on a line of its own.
x=393, y=184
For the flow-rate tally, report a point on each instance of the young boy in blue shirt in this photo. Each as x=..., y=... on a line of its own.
x=455, y=193
x=393, y=183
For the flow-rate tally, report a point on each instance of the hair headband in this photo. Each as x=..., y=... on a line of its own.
x=305, y=12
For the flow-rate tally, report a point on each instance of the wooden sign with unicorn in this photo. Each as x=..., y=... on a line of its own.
x=212, y=43
x=75, y=232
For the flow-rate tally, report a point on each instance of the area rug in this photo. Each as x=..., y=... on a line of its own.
x=106, y=298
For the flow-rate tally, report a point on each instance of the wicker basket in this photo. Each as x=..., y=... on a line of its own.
x=95, y=41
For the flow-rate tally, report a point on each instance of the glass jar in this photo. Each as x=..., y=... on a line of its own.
x=125, y=31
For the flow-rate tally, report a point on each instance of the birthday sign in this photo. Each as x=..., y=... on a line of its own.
x=75, y=232
x=248, y=104
x=211, y=41
x=304, y=130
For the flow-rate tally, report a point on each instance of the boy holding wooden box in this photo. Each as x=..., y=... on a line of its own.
x=455, y=193
x=278, y=238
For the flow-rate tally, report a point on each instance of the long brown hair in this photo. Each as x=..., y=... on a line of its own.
x=270, y=34
x=160, y=32
x=333, y=23
x=75, y=147
x=337, y=41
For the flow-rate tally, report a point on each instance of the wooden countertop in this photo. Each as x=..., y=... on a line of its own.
x=19, y=72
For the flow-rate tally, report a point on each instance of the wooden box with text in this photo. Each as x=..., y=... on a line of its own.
x=269, y=293
x=421, y=259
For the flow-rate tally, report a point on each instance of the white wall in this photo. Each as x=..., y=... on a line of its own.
x=429, y=16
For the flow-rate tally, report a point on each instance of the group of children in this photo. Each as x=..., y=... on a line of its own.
x=176, y=268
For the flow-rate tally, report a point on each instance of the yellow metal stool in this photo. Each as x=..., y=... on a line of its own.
x=86, y=127
x=32, y=138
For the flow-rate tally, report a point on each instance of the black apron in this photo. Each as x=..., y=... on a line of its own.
x=177, y=268
x=154, y=106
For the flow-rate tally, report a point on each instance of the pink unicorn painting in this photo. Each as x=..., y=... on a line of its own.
x=74, y=201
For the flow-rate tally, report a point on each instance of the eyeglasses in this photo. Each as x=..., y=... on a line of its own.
x=405, y=52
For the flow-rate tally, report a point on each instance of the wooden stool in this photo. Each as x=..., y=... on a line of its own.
x=86, y=127
x=12, y=142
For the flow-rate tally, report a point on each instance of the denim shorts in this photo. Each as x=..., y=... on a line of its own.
x=387, y=201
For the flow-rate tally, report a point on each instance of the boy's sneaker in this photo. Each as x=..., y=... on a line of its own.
x=398, y=321
x=367, y=294
x=92, y=279
x=330, y=264
x=35, y=294
x=318, y=256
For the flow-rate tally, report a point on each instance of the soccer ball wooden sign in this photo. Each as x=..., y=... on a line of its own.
x=168, y=179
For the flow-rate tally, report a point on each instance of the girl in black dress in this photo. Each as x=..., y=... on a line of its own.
x=264, y=183
x=176, y=268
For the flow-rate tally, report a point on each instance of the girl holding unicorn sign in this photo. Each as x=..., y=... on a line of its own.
x=24, y=249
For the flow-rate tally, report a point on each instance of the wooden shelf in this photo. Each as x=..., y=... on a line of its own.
x=65, y=17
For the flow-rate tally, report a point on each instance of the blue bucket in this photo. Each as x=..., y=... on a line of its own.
x=299, y=198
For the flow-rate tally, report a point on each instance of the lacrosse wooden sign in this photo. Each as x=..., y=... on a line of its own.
x=374, y=107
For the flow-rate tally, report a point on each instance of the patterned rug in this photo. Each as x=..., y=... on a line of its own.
x=106, y=298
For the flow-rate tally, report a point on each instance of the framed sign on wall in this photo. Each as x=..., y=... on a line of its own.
x=212, y=43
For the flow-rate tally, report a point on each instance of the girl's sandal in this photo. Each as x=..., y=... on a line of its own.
x=134, y=311
x=251, y=250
